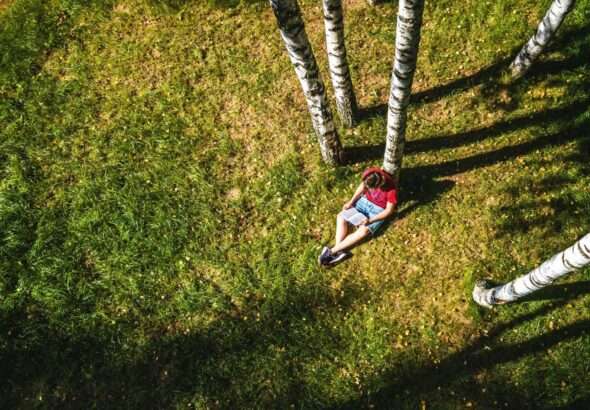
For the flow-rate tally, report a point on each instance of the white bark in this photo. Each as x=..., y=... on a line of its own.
x=341, y=81
x=299, y=49
x=547, y=28
x=407, y=40
x=573, y=258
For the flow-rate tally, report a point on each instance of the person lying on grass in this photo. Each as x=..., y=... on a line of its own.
x=372, y=203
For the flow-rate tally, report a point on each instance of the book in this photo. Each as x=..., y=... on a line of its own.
x=353, y=216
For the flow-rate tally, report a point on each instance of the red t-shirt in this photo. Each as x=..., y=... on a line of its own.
x=381, y=196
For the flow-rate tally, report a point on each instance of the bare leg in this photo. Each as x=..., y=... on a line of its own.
x=341, y=229
x=361, y=233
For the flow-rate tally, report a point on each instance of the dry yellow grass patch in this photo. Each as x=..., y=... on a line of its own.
x=122, y=8
x=354, y=4
x=4, y=4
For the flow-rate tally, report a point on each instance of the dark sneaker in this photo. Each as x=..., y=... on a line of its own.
x=325, y=257
x=339, y=257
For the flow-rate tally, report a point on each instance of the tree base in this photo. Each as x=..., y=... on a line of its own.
x=479, y=291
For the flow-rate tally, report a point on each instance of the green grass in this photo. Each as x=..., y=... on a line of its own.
x=163, y=202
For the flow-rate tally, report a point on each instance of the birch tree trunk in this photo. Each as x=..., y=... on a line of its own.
x=407, y=40
x=341, y=81
x=573, y=258
x=299, y=49
x=547, y=28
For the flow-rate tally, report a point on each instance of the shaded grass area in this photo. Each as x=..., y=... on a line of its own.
x=162, y=204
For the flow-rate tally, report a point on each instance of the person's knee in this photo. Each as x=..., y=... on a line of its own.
x=364, y=231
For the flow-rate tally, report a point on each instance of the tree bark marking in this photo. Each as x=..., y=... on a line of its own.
x=545, y=31
x=292, y=29
x=407, y=41
x=341, y=81
x=573, y=258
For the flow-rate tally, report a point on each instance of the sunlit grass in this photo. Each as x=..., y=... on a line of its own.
x=162, y=204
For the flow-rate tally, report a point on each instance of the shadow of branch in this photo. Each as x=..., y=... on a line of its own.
x=491, y=74
x=372, y=152
x=565, y=291
x=477, y=356
x=453, y=167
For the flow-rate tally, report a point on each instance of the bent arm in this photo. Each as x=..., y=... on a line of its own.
x=386, y=213
x=357, y=194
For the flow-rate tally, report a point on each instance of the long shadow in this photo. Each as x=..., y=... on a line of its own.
x=424, y=176
x=491, y=73
x=373, y=152
x=81, y=373
x=486, y=74
x=554, y=194
x=503, y=154
x=24, y=60
x=480, y=134
x=565, y=291
x=453, y=167
x=583, y=403
x=180, y=365
x=476, y=357
x=428, y=191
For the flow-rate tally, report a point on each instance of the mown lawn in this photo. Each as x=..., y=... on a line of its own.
x=163, y=202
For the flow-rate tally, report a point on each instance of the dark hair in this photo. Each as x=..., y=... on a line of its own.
x=373, y=180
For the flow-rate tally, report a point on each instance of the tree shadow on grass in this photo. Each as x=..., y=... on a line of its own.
x=486, y=74
x=478, y=356
x=217, y=366
x=176, y=369
x=452, y=167
x=417, y=191
x=547, y=205
x=414, y=193
x=565, y=113
x=503, y=154
x=566, y=291
x=33, y=31
x=550, y=202
x=490, y=75
x=583, y=403
x=419, y=184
